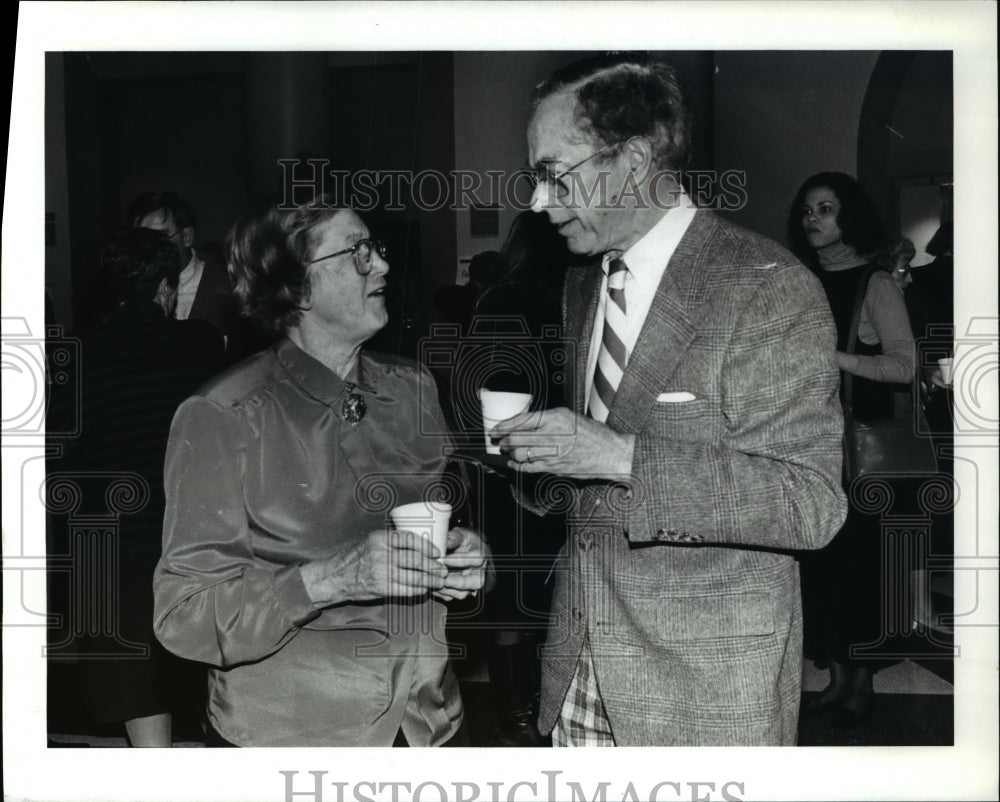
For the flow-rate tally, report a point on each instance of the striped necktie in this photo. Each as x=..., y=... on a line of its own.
x=612, y=357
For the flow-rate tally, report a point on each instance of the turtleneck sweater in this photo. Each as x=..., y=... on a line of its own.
x=839, y=256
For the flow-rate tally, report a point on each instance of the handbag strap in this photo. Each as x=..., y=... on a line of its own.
x=852, y=335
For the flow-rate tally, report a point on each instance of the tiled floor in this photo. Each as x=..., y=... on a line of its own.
x=914, y=708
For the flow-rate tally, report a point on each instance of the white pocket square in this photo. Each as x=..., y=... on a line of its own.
x=675, y=397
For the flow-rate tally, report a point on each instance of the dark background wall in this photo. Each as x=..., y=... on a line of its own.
x=491, y=116
x=782, y=116
x=212, y=126
x=906, y=148
x=138, y=122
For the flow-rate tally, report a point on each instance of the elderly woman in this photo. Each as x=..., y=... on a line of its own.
x=320, y=627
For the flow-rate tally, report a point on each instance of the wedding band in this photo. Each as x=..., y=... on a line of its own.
x=527, y=455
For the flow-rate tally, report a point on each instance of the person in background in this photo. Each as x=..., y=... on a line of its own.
x=834, y=227
x=320, y=626
x=137, y=367
x=897, y=262
x=205, y=290
x=702, y=442
x=930, y=303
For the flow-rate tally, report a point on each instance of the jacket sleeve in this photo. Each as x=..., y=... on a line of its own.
x=773, y=477
x=213, y=602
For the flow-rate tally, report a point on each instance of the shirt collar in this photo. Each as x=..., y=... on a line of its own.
x=192, y=269
x=647, y=254
x=315, y=378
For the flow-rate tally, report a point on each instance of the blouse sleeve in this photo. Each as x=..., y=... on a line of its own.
x=885, y=310
x=213, y=602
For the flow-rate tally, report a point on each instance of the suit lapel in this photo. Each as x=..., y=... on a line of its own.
x=666, y=334
x=583, y=292
x=204, y=297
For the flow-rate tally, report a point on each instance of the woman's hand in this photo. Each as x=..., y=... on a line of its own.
x=384, y=564
x=847, y=362
x=466, y=560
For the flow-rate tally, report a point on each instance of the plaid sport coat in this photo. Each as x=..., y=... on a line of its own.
x=683, y=575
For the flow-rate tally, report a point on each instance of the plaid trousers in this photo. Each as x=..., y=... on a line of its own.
x=583, y=721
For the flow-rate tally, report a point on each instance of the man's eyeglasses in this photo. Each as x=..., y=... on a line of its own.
x=556, y=181
x=362, y=252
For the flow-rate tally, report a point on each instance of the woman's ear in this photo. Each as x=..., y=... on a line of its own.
x=306, y=300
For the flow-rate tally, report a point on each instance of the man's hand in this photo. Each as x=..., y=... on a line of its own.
x=384, y=564
x=466, y=561
x=561, y=442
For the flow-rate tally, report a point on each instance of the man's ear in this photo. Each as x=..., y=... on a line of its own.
x=187, y=236
x=639, y=155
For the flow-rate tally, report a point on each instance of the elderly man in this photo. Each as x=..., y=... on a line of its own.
x=704, y=442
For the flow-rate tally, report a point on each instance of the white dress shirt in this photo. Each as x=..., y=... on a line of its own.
x=187, y=287
x=647, y=261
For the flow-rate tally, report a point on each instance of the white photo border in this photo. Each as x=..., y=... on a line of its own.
x=966, y=771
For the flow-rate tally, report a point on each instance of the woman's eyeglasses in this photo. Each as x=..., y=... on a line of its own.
x=362, y=253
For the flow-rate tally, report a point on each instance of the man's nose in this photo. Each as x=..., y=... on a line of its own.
x=541, y=196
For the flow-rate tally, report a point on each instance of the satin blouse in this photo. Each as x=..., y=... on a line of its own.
x=262, y=475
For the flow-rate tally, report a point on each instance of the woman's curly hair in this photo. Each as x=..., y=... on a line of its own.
x=267, y=251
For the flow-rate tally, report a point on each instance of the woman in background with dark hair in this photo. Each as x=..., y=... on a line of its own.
x=320, y=627
x=834, y=227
